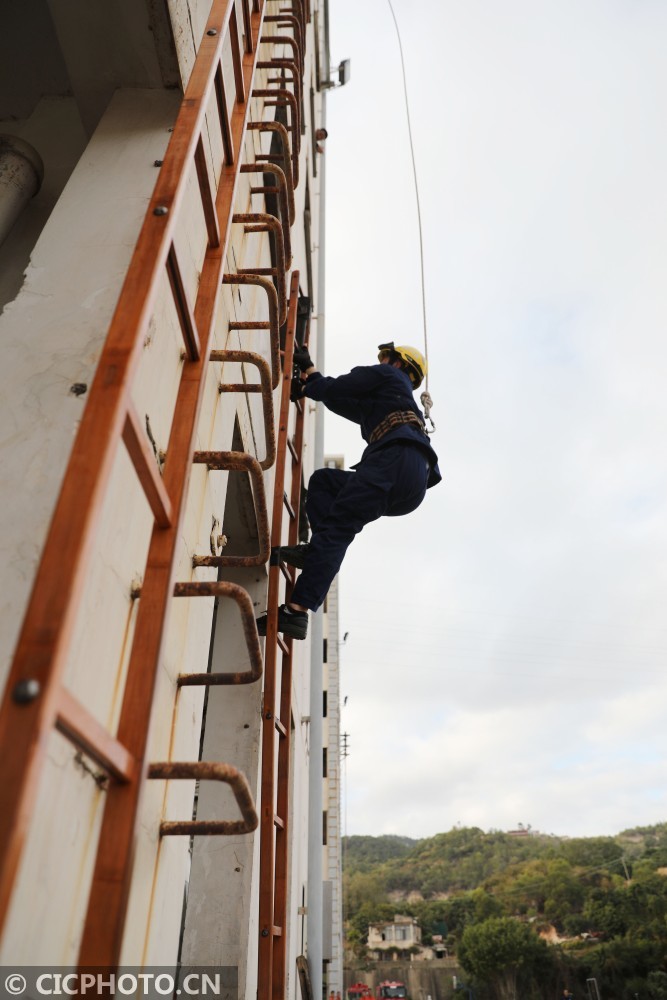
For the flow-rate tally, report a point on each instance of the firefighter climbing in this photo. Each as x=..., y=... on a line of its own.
x=397, y=467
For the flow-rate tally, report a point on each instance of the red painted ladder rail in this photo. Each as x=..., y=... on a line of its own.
x=35, y=700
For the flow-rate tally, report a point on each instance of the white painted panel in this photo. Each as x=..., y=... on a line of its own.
x=53, y=332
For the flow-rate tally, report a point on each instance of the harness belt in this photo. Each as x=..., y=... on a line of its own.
x=393, y=420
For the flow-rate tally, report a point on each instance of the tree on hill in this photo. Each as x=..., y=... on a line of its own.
x=504, y=955
x=593, y=852
x=363, y=853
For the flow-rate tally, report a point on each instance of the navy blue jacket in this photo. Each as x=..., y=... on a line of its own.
x=366, y=396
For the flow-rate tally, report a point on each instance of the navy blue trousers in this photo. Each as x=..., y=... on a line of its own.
x=390, y=481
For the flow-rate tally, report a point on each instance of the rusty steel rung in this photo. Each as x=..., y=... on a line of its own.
x=294, y=45
x=289, y=164
x=237, y=61
x=186, y=317
x=288, y=506
x=222, y=588
x=204, y=770
x=285, y=192
x=281, y=80
x=277, y=97
x=74, y=721
x=280, y=727
x=239, y=461
x=250, y=325
x=288, y=20
x=282, y=64
x=208, y=202
x=145, y=465
x=247, y=25
x=284, y=98
x=298, y=11
x=262, y=222
x=274, y=320
x=223, y=117
x=264, y=386
x=282, y=645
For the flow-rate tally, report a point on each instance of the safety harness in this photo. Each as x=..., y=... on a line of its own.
x=393, y=420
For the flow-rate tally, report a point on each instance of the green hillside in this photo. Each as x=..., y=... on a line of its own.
x=603, y=900
x=363, y=853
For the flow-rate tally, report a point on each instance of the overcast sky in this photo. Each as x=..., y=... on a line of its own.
x=507, y=642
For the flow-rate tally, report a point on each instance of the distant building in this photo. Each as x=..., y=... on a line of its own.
x=523, y=831
x=438, y=947
x=395, y=939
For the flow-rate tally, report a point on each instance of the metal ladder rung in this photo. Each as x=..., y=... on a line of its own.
x=223, y=115
x=82, y=729
x=208, y=202
x=284, y=648
x=186, y=317
x=288, y=507
x=274, y=319
x=264, y=386
x=205, y=770
x=260, y=324
x=222, y=588
x=283, y=187
x=262, y=222
x=280, y=727
x=239, y=461
x=145, y=465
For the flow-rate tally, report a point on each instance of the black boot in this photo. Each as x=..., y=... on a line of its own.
x=291, y=623
x=293, y=555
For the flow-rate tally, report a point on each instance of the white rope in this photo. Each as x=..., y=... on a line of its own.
x=425, y=397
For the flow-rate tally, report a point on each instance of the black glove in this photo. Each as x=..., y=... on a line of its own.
x=296, y=389
x=302, y=358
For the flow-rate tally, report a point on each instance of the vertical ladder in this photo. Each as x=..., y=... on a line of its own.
x=36, y=700
x=277, y=707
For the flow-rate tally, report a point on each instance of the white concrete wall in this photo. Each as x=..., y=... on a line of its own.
x=53, y=332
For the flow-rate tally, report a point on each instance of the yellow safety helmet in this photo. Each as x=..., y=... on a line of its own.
x=414, y=360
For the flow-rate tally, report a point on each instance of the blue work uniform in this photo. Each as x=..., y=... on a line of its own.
x=391, y=478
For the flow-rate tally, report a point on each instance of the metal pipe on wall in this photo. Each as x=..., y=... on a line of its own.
x=21, y=175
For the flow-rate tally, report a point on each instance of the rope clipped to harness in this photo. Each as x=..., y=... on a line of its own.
x=427, y=403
